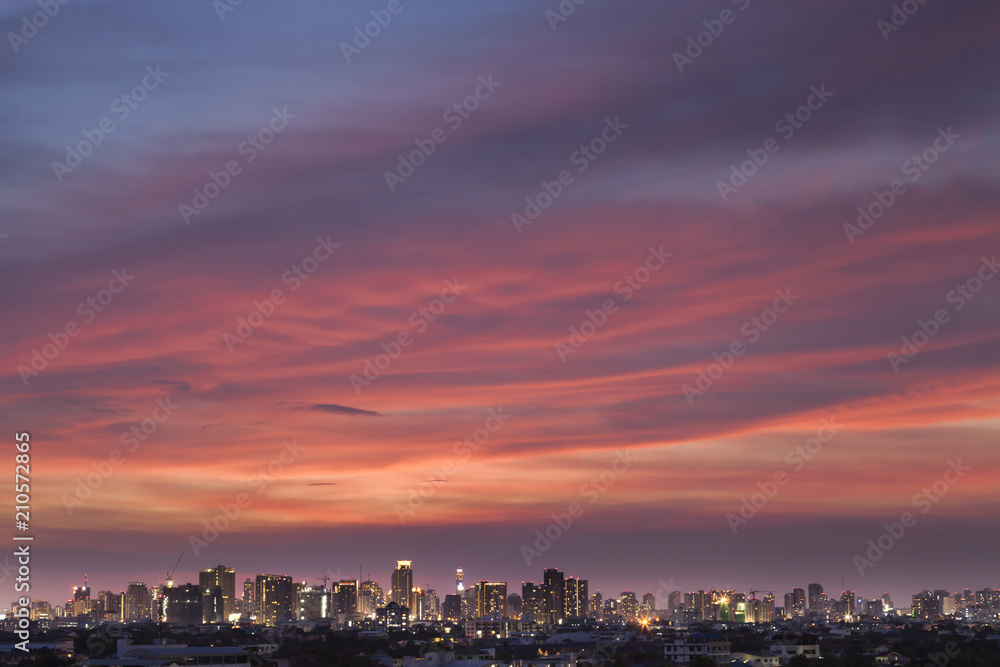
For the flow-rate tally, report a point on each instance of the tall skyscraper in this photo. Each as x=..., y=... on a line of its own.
x=575, y=600
x=629, y=605
x=275, y=599
x=370, y=597
x=815, y=591
x=345, y=597
x=798, y=607
x=767, y=609
x=81, y=603
x=694, y=605
x=218, y=589
x=849, y=600
x=138, y=602
x=313, y=603
x=81, y=592
x=533, y=602
x=459, y=578
x=402, y=584
x=674, y=603
x=452, y=608
x=182, y=604
x=108, y=607
x=555, y=593
x=249, y=603
x=491, y=599
x=431, y=605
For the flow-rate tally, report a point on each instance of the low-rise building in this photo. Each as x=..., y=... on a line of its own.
x=683, y=650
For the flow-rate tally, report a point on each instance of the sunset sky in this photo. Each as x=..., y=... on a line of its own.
x=386, y=253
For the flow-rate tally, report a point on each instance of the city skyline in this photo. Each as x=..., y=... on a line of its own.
x=274, y=599
x=703, y=293
x=660, y=592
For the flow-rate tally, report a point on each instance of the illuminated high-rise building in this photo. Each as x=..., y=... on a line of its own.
x=81, y=604
x=533, y=602
x=694, y=605
x=248, y=603
x=575, y=600
x=597, y=605
x=767, y=609
x=313, y=603
x=674, y=604
x=138, y=602
x=41, y=610
x=459, y=578
x=816, y=599
x=81, y=592
x=491, y=599
x=849, y=600
x=451, y=610
x=431, y=606
x=182, y=604
x=402, y=585
x=925, y=605
x=628, y=605
x=345, y=597
x=370, y=597
x=555, y=593
x=275, y=599
x=798, y=608
x=218, y=590
x=108, y=607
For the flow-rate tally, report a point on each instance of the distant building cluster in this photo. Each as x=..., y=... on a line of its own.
x=485, y=608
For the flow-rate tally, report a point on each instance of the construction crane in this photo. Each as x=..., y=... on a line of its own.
x=161, y=603
x=170, y=574
x=754, y=593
